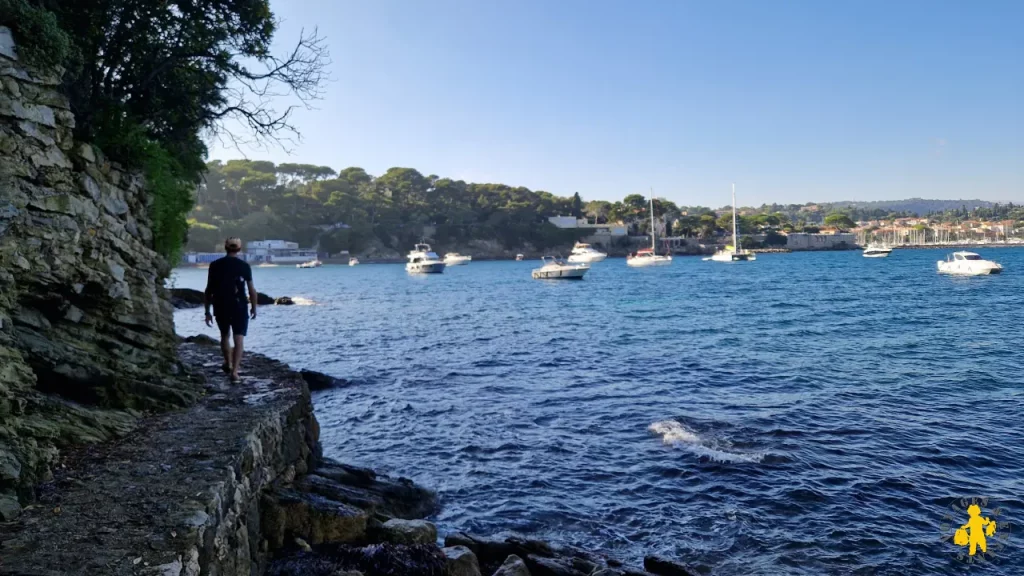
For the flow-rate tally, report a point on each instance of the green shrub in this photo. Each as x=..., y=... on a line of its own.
x=41, y=41
x=172, y=198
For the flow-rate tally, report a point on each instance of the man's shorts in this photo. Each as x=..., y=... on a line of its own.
x=234, y=318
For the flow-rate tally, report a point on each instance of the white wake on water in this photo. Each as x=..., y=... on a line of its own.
x=676, y=434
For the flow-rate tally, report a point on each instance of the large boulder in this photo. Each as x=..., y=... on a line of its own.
x=513, y=566
x=320, y=381
x=284, y=301
x=399, y=531
x=378, y=494
x=264, y=300
x=460, y=561
x=291, y=514
x=186, y=298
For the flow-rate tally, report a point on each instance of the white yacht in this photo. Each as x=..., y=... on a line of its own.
x=557, y=269
x=423, y=260
x=585, y=254
x=353, y=261
x=310, y=264
x=649, y=256
x=877, y=251
x=519, y=257
x=968, y=264
x=456, y=259
x=733, y=253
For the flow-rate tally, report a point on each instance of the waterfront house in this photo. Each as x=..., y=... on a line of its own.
x=278, y=252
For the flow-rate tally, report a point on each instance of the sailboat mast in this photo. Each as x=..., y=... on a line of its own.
x=653, y=248
x=735, y=238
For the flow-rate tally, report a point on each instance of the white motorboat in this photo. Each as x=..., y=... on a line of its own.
x=585, y=254
x=557, y=269
x=423, y=260
x=877, y=251
x=649, y=256
x=353, y=261
x=519, y=257
x=456, y=259
x=733, y=253
x=310, y=264
x=968, y=264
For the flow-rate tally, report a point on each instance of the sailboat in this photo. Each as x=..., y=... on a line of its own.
x=733, y=253
x=648, y=256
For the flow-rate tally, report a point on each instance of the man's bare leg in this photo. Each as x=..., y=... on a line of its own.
x=236, y=359
x=225, y=348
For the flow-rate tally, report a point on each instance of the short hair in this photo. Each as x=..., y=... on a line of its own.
x=232, y=245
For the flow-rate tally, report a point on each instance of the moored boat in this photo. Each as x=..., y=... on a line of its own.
x=456, y=259
x=968, y=264
x=310, y=264
x=877, y=251
x=649, y=256
x=557, y=269
x=423, y=260
x=733, y=253
x=585, y=254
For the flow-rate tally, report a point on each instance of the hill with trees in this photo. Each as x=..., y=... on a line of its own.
x=352, y=210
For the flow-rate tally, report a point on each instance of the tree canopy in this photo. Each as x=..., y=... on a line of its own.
x=840, y=220
x=147, y=80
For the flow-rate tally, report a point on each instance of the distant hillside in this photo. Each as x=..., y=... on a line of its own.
x=919, y=206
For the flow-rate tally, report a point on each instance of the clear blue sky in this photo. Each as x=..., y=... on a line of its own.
x=796, y=101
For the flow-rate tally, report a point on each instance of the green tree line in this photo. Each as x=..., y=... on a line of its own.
x=352, y=210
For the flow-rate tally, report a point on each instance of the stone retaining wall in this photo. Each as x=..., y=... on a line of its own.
x=86, y=329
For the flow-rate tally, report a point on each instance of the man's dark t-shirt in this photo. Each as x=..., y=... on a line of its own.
x=225, y=286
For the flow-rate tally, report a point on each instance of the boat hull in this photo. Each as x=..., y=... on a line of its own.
x=731, y=257
x=586, y=258
x=957, y=269
x=563, y=274
x=425, y=267
x=877, y=254
x=457, y=261
x=648, y=262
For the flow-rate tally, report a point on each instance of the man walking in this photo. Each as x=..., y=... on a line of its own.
x=225, y=290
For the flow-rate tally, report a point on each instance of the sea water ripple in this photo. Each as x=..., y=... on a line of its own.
x=802, y=414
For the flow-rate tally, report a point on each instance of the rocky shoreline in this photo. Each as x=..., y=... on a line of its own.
x=236, y=486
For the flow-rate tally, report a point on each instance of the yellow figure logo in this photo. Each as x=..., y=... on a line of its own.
x=973, y=533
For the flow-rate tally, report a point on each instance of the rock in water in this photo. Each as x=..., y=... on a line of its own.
x=461, y=561
x=186, y=298
x=264, y=300
x=400, y=531
x=665, y=567
x=320, y=381
x=513, y=566
x=284, y=301
x=363, y=488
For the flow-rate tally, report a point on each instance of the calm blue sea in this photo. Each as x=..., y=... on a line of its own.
x=802, y=414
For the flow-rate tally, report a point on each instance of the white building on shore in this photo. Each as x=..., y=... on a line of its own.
x=278, y=252
x=803, y=241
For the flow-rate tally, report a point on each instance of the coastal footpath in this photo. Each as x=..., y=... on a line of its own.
x=124, y=451
x=235, y=485
x=87, y=341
